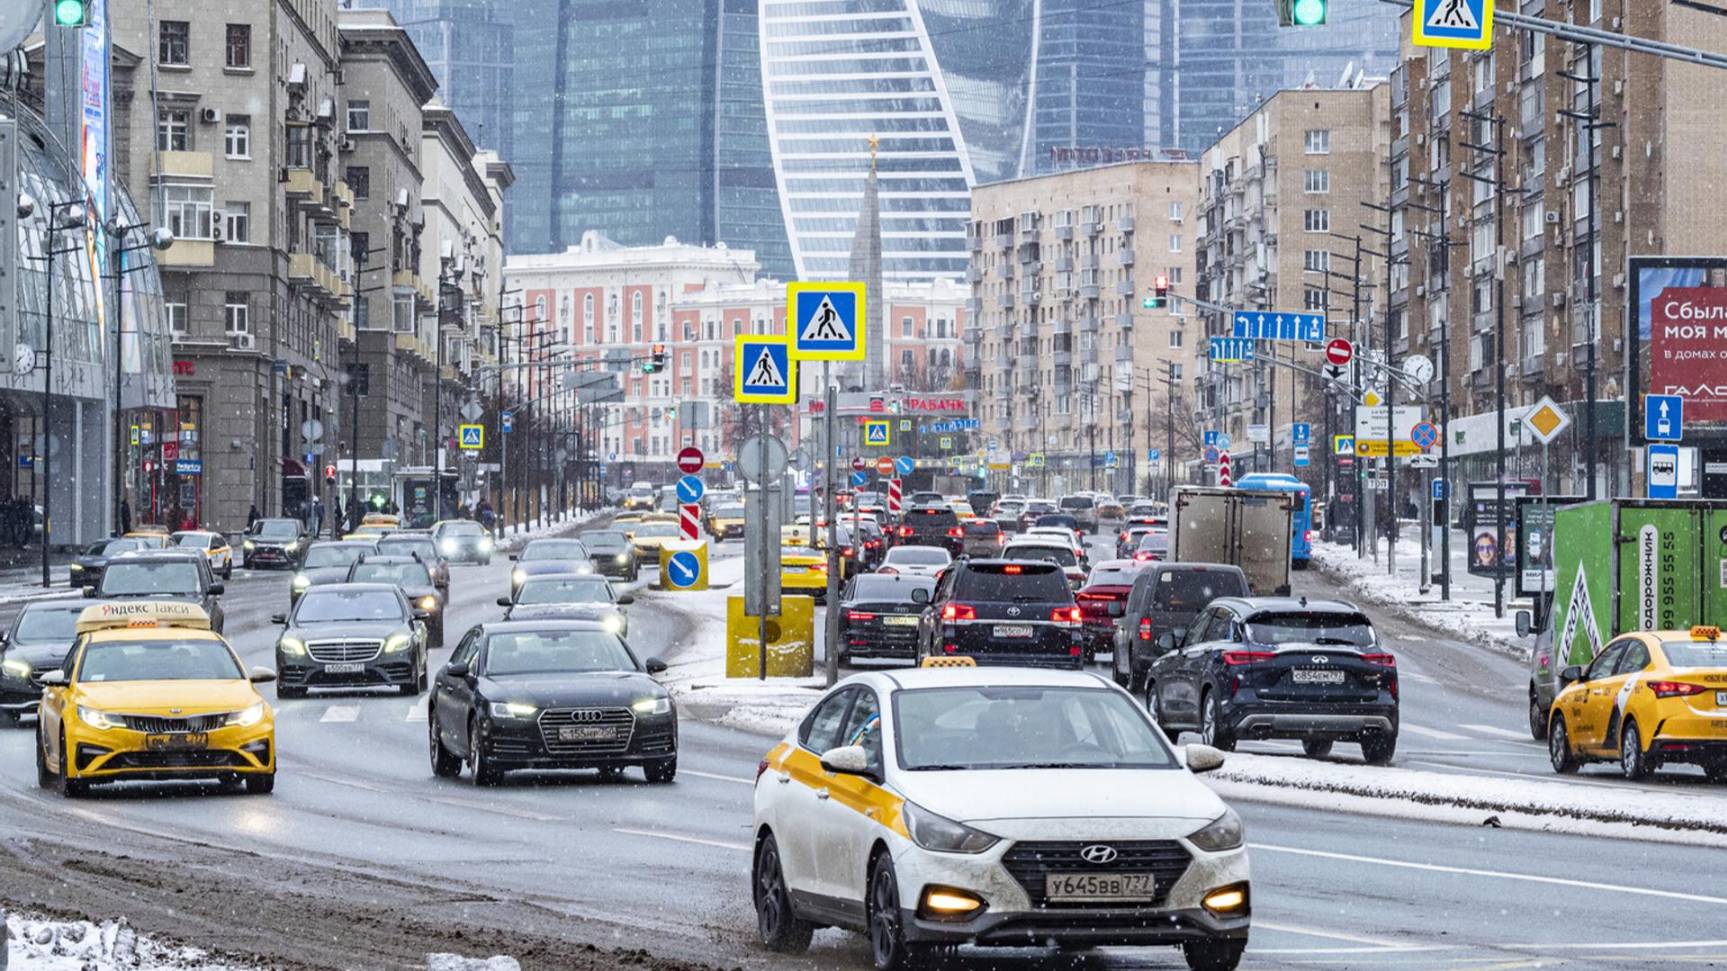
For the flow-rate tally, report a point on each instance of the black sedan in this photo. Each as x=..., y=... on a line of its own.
x=463, y=541
x=413, y=579
x=543, y=557
x=570, y=596
x=419, y=542
x=351, y=635
x=878, y=616
x=87, y=567
x=612, y=553
x=550, y=695
x=36, y=643
x=327, y=561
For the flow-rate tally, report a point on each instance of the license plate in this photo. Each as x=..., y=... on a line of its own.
x=1721, y=699
x=587, y=733
x=179, y=742
x=1100, y=886
x=1316, y=676
x=344, y=668
x=1012, y=630
x=906, y=621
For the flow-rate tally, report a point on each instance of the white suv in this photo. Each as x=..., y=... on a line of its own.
x=995, y=807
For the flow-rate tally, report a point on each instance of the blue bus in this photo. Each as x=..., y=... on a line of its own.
x=1301, y=538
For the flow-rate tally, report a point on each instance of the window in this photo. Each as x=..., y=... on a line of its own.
x=239, y=45
x=174, y=43
x=1175, y=212
x=359, y=115
x=176, y=318
x=237, y=140
x=905, y=326
x=360, y=244
x=237, y=221
x=359, y=179
x=1313, y=299
x=1317, y=142
x=299, y=138
x=237, y=312
x=1316, y=220
x=1316, y=181
x=1317, y=260
x=173, y=130
x=1175, y=338
x=187, y=210
x=1175, y=242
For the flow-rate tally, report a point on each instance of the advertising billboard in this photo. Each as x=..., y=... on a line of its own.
x=1679, y=309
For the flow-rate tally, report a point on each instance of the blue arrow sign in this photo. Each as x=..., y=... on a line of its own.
x=859, y=478
x=1224, y=349
x=904, y=465
x=1275, y=325
x=1663, y=418
x=690, y=490
x=683, y=569
x=1301, y=433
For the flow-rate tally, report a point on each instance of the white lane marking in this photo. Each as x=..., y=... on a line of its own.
x=341, y=713
x=1333, y=935
x=1420, y=678
x=1495, y=874
x=675, y=837
x=416, y=713
x=1317, y=951
x=1498, y=732
x=713, y=775
x=1432, y=733
x=1617, y=946
x=489, y=807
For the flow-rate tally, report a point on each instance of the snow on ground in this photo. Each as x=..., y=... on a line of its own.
x=518, y=534
x=1468, y=616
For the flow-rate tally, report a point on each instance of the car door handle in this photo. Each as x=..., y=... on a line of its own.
x=822, y=793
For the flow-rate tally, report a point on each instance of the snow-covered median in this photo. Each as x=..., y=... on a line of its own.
x=1467, y=616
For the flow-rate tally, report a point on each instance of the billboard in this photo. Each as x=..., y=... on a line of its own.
x=1679, y=309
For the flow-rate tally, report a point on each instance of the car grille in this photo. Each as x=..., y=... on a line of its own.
x=161, y=725
x=203, y=758
x=344, y=652
x=1031, y=862
x=622, y=719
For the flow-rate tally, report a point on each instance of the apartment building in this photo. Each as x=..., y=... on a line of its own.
x=1068, y=362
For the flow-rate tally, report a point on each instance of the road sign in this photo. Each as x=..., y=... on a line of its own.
x=1277, y=325
x=1223, y=476
x=472, y=436
x=1259, y=433
x=684, y=569
x=1663, y=418
x=1210, y=436
x=827, y=321
x=689, y=516
x=904, y=465
x=1109, y=460
x=946, y=443
x=507, y=422
x=884, y=466
x=690, y=490
x=311, y=429
x=1370, y=422
x=1663, y=471
x=1153, y=454
x=1339, y=351
x=1440, y=490
x=763, y=371
x=1301, y=433
x=472, y=411
x=905, y=424
x=1546, y=420
x=1467, y=24
x=1374, y=448
x=1426, y=460
x=878, y=433
x=1211, y=455
x=1224, y=441
x=1343, y=444
x=1424, y=434
x=690, y=460
x=189, y=467
x=750, y=459
x=1301, y=456
x=858, y=463
x=860, y=477
x=1224, y=350
x=895, y=492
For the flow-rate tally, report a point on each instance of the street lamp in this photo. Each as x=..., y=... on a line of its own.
x=74, y=219
x=158, y=239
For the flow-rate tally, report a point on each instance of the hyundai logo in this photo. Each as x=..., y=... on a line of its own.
x=1098, y=854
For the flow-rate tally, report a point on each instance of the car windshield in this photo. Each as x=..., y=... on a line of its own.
x=197, y=541
x=109, y=547
x=1191, y=590
x=605, y=541
x=1024, y=727
x=323, y=605
x=554, y=549
x=1049, y=554
x=277, y=529
x=463, y=529
x=1011, y=582
x=324, y=557
x=729, y=512
x=1076, y=502
x=656, y=530
x=555, y=652
x=421, y=546
x=1154, y=541
x=1695, y=654
x=890, y=588
x=165, y=660
x=50, y=624
x=1318, y=627
x=413, y=574
x=930, y=516
x=564, y=590
x=180, y=577
x=983, y=527
x=918, y=556
x=1065, y=522
x=1120, y=576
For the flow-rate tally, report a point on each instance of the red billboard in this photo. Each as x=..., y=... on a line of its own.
x=1688, y=349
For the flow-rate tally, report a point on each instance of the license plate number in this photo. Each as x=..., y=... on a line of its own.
x=1012, y=630
x=178, y=742
x=1100, y=886
x=907, y=621
x=1317, y=676
x=344, y=668
x=587, y=733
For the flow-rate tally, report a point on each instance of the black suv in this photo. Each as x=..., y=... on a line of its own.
x=1003, y=612
x=273, y=542
x=1278, y=667
x=931, y=526
x=1165, y=598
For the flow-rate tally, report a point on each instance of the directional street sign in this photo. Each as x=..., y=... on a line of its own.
x=1109, y=460
x=859, y=478
x=1301, y=433
x=763, y=371
x=472, y=436
x=1663, y=471
x=506, y=422
x=878, y=433
x=1229, y=349
x=691, y=489
x=904, y=465
x=827, y=321
x=1210, y=436
x=1439, y=490
x=1224, y=441
x=683, y=569
x=1467, y=24
x=1663, y=418
x=1275, y=325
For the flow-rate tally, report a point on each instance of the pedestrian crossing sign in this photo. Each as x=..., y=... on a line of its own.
x=763, y=371
x=827, y=321
x=472, y=436
x=878, y=433
x=1466, y=24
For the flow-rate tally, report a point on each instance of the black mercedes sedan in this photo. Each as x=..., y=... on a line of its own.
x=570, y=596
x=541, y=694
x=327, y=561
x=36, y=642
x=415, y=581
x=879, y=618
x=87, y=567
x=546, y=556
x=351, y=635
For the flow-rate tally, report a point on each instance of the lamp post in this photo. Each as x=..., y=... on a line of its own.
x=159, y=239
x=75, y=217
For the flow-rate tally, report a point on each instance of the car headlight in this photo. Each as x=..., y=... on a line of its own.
x=15, y=667
x=291, y=646
x=99, y=719
x=943, y=835
x=76, y=568
x=485, y=542
x=302, y=581
x=613, y=623
x=448, y=546
x=652, y=706
x=623, y=557
x=585, y=568
x=517, y=576
x=428, y=602
x=291, y=546
x=398, y=643
x=246, y=718
x=247, y=545
x=512, y=709
x=1226, y=832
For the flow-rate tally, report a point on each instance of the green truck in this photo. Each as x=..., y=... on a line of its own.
x=1620, y=565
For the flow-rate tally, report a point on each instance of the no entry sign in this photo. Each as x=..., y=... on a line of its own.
x=1338, y=352
x=690, y=460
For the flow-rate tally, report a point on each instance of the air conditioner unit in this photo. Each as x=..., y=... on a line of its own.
x=1618, y=281
x=218, y=223
x=1558, y=299
x=349, y=145
x=1552, y=219
x=297, y=77
x=242, y=342
x=327, y=110
x=210, y=116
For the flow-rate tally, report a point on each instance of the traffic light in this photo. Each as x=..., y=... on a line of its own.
x=1302, y=13
x=70, y=13
x=330, y=474
x=1159, y=297
x=656, y=361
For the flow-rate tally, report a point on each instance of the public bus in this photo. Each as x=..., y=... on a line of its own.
x=1301, y=531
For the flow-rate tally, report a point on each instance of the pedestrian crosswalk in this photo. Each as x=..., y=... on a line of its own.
x=346, y=711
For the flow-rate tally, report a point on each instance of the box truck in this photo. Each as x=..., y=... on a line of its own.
x=1251, y=530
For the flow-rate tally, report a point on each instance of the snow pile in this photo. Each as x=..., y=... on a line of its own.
x=46, y=945
x=518, y=534
x=455, y=962
x=1468, y=616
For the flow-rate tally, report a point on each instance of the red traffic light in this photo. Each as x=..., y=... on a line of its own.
x=1161, y=285
x=329, y=473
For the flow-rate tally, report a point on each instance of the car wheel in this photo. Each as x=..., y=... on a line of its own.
x=481, y=770
x=1715, y=771
x=262, y=784
x=1151, y=700
x=1378, y=747
x=661, y=771
x=63, y=782
x=1212, y=731
x=444, y=764
x=888, y=946
x=1632, y=760
x=1213, y=955
x=1537, y=717
x=778, y=926
x=9, y=719
x=1559, y=747
x=1316, y=748
x=44, y=778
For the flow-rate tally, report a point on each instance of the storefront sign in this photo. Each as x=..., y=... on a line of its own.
x=189, y=467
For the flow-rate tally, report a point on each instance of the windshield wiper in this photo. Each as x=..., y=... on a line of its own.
x=1056, y=765
x=939, y=767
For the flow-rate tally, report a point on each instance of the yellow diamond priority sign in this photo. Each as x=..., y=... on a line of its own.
x=1546, y=420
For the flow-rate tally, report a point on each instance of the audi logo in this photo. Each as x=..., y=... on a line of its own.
x=1098, y=854
x=587, y=715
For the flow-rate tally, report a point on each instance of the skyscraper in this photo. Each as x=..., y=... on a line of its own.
x=469, y=45
x=1088, y=89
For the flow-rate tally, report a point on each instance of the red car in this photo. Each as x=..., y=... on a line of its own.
x=1102, y=600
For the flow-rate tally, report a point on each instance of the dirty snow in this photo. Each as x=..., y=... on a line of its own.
x=1468, y=616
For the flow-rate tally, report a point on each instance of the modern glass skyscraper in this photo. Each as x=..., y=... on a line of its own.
x=468, y=44
x=985, y=50
x=1088, y=81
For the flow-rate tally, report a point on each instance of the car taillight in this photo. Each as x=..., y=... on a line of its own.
x=1013, y=569
x=905, y=530
x=1675, y=689
x=1307, y=536
x=1142, y=556
x=1237, y=658
x=1384, y=660
x=819, y=567
x=1066, y=615
x=1122, y=538
x=1145, y=628
x=847, y=551
x=955, y=531
x=953, y=612
x=856, y=615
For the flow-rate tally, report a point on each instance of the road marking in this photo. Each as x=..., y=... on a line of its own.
x=653, y=834
x=1496, y=874
x=416, y=713
x=490, y=807
x=714, y=775
x=341, y=713
x=1333, y=935
x=1498, y=732
x=1432, y=733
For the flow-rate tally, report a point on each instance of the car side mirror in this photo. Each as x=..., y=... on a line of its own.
x=217, y=589
x=456, y=669
x=281, y=619
x=920, y=596
x=846, y=760
x=505, y=602
x=53, y=679
x=4, y=636
x=514, y=557
x=262, y=676
x=90, y=593
x=654, y=665
x=1571, y=674
x=626, y=600
x=1202, y=758
x=422, y=614
x=1525, y=623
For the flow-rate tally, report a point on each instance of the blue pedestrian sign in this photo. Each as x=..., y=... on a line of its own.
x=1663, y=418
x=1210, y=437
x=691, y=489
x=1301, y=433
x=859, y=478
x=1225, y=350
x=472, y=436
x=827, y=321
x=1663, y=471
x=683, y=569
x=763, y=371
x=878, y=433
x=904, y=465
x=1273, y=325
x=1467, y=24
x=507, y=422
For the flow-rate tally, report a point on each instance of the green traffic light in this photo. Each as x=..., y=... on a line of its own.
x=1309, y=13
x=69, y=13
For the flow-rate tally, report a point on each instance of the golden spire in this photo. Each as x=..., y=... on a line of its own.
x=874, y=140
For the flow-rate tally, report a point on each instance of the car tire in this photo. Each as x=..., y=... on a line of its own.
x=1559, y=753
x=445, y=765
x=1213, y=955
x=1715, y=771
x=1633, y=762
x=1378, y=747
x=778, y=926
x=481, y=770
x=1537, y=717
x=1300, y=564
x=884, y=921
x=64, y=784
x=261, y=785
x=662, y=771
x=44, y=777
x=1316, y=748
x=1211, y=728
x=228, y=570
x=9, y=719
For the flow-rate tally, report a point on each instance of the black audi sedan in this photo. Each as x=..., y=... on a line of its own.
x=87, y=567
x=541, y=694
x=879, y=617
x=36, y=642
x=351, y=635
x=541, y=557
x=415, y=581
x=570, y=596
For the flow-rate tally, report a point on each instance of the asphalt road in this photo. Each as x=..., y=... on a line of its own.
x=362, y=857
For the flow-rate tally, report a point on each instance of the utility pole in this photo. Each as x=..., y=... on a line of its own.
x=1497, y=150
x=1590, y=119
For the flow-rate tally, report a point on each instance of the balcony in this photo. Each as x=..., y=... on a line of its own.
x=1088, y=261
x=408, y=343
x=972, y=334
x=1088, y=356
x=1003, y=363
x=973, y=273
x=1124, y=288
x=1063, y=358
x=1059, y=326
x=1092, y=228
x=973, y=306
x=303, y=184
x=1031, y=297
x=1062, y=264
x=1005, y=301
x=1124, y=354
x=1026, y=363
x=1088, y=291
x=977, y=244
x=184, y=165
x=304, y=269
x=1004, y=241
x=1124, y=319
x=1064, y=232
x=189, y=254
x=1125, y=257
x=1124, y=224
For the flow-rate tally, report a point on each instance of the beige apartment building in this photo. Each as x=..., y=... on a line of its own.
x=1069, y=365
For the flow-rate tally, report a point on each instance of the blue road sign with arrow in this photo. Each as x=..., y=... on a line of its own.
x=1274, y=325
x=1663, y=418
x=859, y=478
x=1301, y=433
x=904, y=465
x=683, y=569
x=690, y=490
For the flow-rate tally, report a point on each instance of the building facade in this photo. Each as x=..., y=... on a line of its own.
x=470, y=47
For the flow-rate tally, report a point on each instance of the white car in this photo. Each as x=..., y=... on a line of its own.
x=917, y=561
x=1060, y=533
x=1052, y=551
x=995, y=807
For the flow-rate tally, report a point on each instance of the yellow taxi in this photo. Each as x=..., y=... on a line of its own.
x=1650, y=698
x=153, y=538
x=725, y=522
x=387, y=522
x=649, y=537
x=149, y=691
x=803, y=567
x=962, y=508
x=364, y=532
x=147, y=529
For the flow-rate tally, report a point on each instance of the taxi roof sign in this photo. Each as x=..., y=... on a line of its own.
x=1705, y=632
x=948, y=661
x=114, y=616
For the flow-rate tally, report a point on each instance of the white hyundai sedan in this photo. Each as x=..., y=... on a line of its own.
x=996, y=807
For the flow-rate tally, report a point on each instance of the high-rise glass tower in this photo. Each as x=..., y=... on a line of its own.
x=468, y=44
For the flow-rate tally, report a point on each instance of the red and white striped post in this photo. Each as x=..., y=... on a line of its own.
x=894, y=491
x=1223, y=477
x=689, y=521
